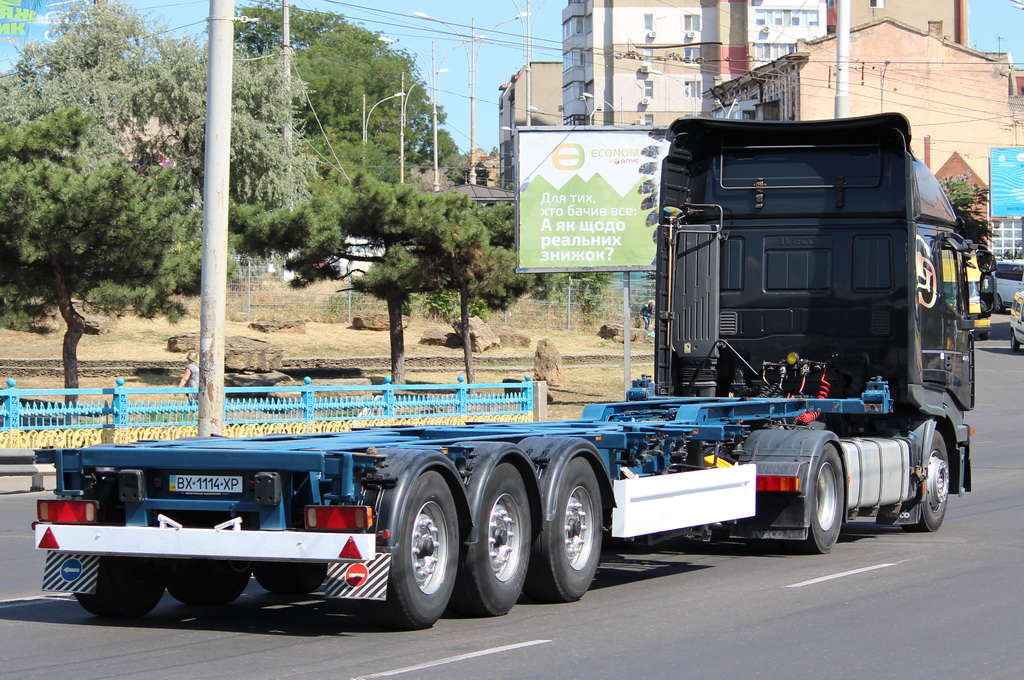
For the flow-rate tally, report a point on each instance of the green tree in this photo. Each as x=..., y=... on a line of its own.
x=147, y=89
x=86, y=231
x=970, y=201
x=347, y=67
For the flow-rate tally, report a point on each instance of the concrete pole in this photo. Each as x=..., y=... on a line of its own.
x=627, y=335
x=401, y=134
x=433, y=102
x=473, y=53
x=842, y=109
x=215, y=218
x=528, y=54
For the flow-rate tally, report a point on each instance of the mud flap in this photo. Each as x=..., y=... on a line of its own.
x=70, y=572
x=359, y=581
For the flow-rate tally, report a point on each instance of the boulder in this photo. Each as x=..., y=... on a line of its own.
x=480, y=334
x=511, y=338
x=433, y=338
x=268, y=379
x=279, y=325
x=241, y=354
x=547, y=363
x=613, y=332
x=375, y=321
x=96, y=322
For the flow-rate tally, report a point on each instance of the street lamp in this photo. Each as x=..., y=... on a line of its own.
x=586, y=95
x=432, y=77
x=366, y=114
x=471, y=45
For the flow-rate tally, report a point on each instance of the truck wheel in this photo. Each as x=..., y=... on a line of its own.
x=208, y=582
x=566, y=553
x=424, y=561
x=289, y=578
x=492, y=570
x=936, y=492
x=126, y=587
x=1014, y=342
x=824, y=504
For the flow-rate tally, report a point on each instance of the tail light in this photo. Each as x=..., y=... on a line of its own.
x=338, y=517
x=67, y=512
x=778, y=483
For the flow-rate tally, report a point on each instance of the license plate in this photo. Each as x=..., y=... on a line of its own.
x=207, y=484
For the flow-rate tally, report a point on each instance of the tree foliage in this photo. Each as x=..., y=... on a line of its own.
x=970, y=201
x=86, y=230
x=147, y=89
x=348, y=70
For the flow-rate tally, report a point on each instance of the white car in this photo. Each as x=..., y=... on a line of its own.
x=1016, y=325
x=1009, y=275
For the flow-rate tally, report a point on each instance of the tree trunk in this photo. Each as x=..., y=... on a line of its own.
x=467, y=341
x=75, y=324
x=395, y=299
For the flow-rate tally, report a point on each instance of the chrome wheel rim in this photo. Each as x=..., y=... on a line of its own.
x=579, y=533
x=429, y=547
x=937, y=486
x=827, y=499
x=504, y=539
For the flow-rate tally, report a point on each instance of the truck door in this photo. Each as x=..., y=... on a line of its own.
x=948, y=353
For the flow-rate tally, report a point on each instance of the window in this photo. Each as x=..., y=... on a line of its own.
x=648, y=88
x=691, y=89
x=648, y=119
x=770, y=52
x=691, y=22
x=648, y=22
x=691, y=53
x=876, y=4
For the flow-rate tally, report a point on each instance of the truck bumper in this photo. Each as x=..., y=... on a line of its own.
x=74, y=551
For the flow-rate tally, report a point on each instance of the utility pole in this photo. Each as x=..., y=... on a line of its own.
x=433, y=97
x=471, y=177
x=215, y=218
x=528, y=53
x=401, y=134
x=842, y=107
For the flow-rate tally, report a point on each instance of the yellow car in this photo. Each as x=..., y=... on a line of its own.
x=1016, y=327
x=982, y=322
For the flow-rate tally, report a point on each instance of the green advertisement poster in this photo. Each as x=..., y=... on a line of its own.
x=588, y=200
x=18, y=18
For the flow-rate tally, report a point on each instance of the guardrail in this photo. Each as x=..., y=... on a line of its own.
x=22, y=463
x=73, y=418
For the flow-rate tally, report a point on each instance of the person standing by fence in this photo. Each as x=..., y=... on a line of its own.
x=646, y=312
x=190, y=378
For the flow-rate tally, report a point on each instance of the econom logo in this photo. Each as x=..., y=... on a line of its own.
x=568, y=157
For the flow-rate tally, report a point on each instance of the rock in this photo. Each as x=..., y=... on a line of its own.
x=279, y=325
x=435, y=338
x=47, y=323
x=547, y=363
x=511, y=338
x=613, y=332
x=481, y=335
x=98, y=323
x=268, y=379
x=375, y=321
x=246, y=354
x=241, y=354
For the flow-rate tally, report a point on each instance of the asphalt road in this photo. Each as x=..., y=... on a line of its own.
x=883, y=604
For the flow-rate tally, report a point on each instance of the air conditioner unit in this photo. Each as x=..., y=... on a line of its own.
x=652, y=34
x=645, y=101
x=639, y=121
x=645, y=68
x=690, y=35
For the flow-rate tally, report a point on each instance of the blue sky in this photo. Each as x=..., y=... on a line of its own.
x=993, y=25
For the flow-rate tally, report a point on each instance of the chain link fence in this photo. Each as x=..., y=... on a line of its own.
x=258, y=290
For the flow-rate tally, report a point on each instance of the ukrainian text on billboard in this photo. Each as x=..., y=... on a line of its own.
x=588, y=200
x=1006, y=174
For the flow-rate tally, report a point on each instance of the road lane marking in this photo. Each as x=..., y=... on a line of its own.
x=452, y=659
x=841, y=575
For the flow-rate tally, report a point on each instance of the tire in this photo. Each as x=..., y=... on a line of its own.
x=999, y=307
x=984, y=336
x=424, y=562
x=936, y=495
x=825, y=504
x=127, y=587
x=1014, y=342
x=208, y=583
x=567, y=550
x=492, y=570
x=289, y=578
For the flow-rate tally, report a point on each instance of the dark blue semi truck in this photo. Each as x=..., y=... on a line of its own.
x=814, y=363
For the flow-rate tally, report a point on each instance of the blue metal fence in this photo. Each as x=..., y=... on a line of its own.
x=314, y=407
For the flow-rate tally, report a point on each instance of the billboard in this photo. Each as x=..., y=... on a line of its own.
x=588, y=199
x=1006, y=179
x=19, y=21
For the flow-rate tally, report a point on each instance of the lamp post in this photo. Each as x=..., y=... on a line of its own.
x=366, y=114
x=471, y=45
x=432, y=78
x=587, y=95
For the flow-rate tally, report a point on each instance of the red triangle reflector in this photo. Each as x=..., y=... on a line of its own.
x=49, y=541
x=351, y=550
